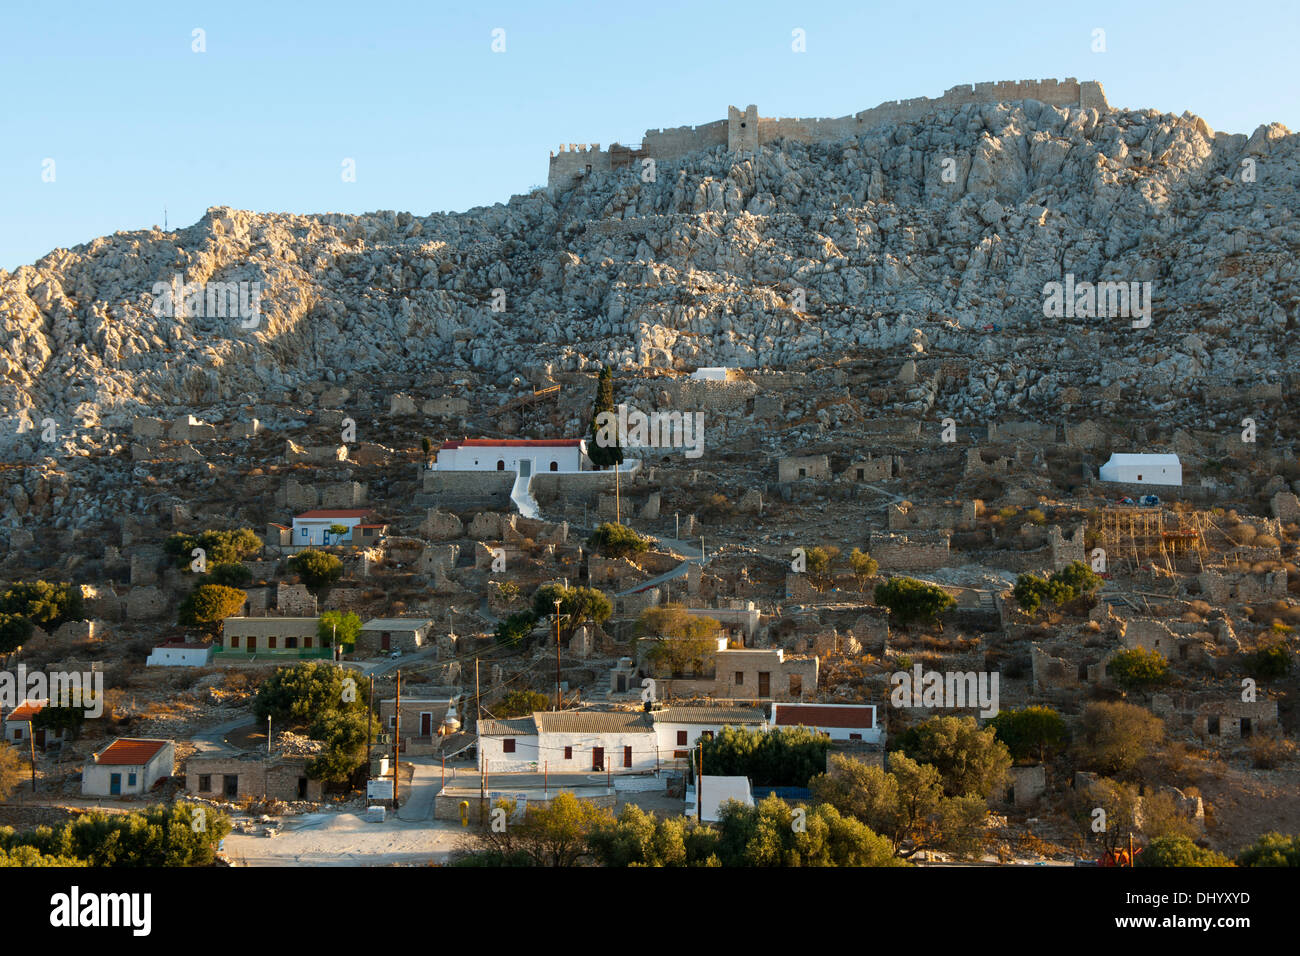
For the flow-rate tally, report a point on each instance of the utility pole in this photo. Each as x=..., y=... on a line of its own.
x=268, y=735
x=618, y=514
x=397, y=740
x=370, y=713
x=699, y=785
x=31, y=740
x=476, y=695
x=557, y=654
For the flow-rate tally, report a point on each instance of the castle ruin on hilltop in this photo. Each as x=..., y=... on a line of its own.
x=745, y=130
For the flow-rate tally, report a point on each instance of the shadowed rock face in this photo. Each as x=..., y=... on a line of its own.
x=934, y=236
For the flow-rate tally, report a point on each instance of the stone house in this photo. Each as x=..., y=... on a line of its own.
x=1234, y=718
x=764, y=674
x=808, y=466
x=279, y=637
x=230, y=776
x=383, y=635
x=422, y=717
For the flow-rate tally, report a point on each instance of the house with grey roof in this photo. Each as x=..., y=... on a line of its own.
x=590, y=741
x=680, y=728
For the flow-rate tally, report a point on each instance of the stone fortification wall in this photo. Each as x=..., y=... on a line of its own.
x=745, y=130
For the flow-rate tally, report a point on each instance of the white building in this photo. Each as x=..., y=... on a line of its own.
x=710, y=374
x=1141, y=469
x=127, y=766
x=508, y=746
x=569, y=742
x=523, y=456
x=180, y=654
x=679, y=729
x=714, y=792
x=587, y=741
x=16, y=725
x=312, y=527
x=838, y=721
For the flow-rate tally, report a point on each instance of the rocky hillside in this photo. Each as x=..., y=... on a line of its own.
x=704, y=267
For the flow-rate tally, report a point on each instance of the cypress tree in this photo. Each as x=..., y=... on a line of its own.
x=603, y=457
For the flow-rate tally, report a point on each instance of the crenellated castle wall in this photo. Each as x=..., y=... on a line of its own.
x=744, y=130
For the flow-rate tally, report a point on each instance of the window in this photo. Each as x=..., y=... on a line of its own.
x=205, y=783
x=555, y=466
x=803, y=472
x=855, y=736
x=627, y=756
x=270, y=643
x=568, y=753
x=234, y=640
x=306, y=642
x=291, y=643
x=740, y=677
x=18, y=733
x=392, y=722
x=130, y=779
x=681, y=738
x=303, y=532
x=501, y=465
x=508, y=745
x=862, y=473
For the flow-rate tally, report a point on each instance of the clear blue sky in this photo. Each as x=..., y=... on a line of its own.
x=263, y=120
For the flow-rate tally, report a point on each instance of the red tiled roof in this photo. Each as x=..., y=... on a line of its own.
x=513, y=443
x=27, y=710
x=340, y=513
x=372, y=526
x=126, y=752
x=814, y=715
x=282, y=527
x=187, y=645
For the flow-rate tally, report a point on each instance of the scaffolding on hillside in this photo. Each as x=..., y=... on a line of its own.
x=1134, y=536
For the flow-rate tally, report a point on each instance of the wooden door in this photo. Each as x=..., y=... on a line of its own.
x=764, y=684
x=598, y=758
x=627, y=756
x=426, y=725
